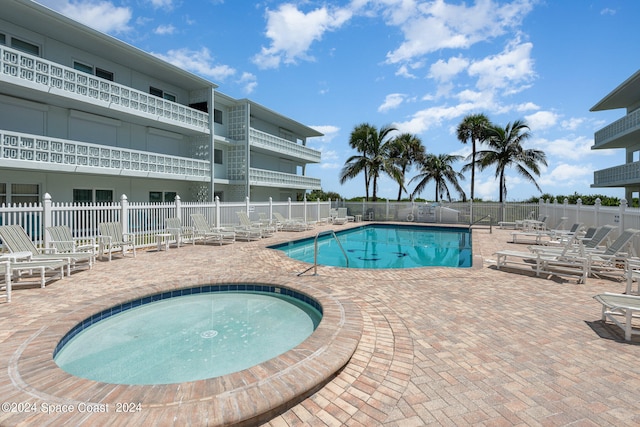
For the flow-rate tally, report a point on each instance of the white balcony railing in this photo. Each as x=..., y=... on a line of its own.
x=282, y=146
x=623, y=126
x=618, y=175
x=53, y=154
x=269, y=178
x=51, y=77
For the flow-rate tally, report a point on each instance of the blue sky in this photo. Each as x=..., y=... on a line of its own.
x=418, y=65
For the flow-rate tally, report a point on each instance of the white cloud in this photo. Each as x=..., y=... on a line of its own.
x=572, y=123
x=166, y=4
x=391, y=101
x=509, y=71
x=567, y=175
x=445, y=70
x=541, y=120
x=566, y=148
x=99, y=14
x=165, y=29
x=436, y=25
x=292, y=32
x=424, y=119
x=197, y=61
x=329, y=132
x=249, y=82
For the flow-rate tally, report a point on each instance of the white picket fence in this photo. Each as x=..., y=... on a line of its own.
x=145, y=220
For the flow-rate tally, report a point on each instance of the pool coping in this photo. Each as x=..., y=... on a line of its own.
x=253, y=394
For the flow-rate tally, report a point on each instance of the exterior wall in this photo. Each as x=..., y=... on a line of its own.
x=28, y=109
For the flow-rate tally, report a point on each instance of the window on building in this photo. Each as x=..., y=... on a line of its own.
x=200, y=106
x=104, y=196
x=217, y=116
x=25, y=193
x=162, y=94
x=3, y=193
x=3, y=39
x=82, y=67
x=99, y=72
x=217, y=156
x=82, y=195
x=160, y=197
x=25, y=46
x=104, y=74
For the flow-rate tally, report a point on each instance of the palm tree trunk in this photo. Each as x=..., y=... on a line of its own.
x=473, y=165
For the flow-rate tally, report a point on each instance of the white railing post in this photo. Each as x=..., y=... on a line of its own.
x=289, y=208
x=47, y=218
x=623, y=208
x=270, y=209
x=596, y=212
x=386, y=213
x=178, y=203
x=124, y=213
x=578, y=209
x=304, y=205
x=318, y=209
x=216, y=203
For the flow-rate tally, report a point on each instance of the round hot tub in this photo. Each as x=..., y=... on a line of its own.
x=188, y=335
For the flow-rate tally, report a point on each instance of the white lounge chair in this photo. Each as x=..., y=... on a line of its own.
x=62, y=241
x=17, y=241
x=341, y=217
x=539, y=236
x=583, y=244
x=289, y=224
x=246, y=224
x=111, y=238
x=584, y=263
x=18, y=270
x=205, y=232
x=621, y=310
x=178, y=232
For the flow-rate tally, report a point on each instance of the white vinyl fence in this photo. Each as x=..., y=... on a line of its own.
x=146, y=220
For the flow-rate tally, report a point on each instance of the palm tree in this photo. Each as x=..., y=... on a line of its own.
x=505, y=150
x=407, y=149
x=374, y=158
x=472, y=128
x=440, y=170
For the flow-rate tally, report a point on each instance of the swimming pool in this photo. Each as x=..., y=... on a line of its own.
x=380, y=246
x=188, y=335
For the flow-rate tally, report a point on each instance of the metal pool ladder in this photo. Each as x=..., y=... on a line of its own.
x=315, y=251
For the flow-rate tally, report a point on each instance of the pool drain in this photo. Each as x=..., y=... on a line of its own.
x=208, y=334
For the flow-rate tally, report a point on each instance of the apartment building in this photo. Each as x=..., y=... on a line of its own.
x=623, y=133
x=86, y=117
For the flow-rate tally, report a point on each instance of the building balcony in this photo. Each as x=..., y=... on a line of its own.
x=617, y=176
x=35, y=152
x=57, y=84
x=619, y=134
x=287, y=149
x=268, y=178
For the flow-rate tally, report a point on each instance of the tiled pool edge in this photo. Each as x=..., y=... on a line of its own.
x=254, y=393
x=229, y=287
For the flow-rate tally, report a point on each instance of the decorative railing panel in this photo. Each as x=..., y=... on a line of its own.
x=282, y=146
x=623, y=126
x=55, y=78
x=279, y=179
x=60, y=154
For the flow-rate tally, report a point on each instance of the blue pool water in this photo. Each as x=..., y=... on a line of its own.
x=387, y=246
x=188, y=338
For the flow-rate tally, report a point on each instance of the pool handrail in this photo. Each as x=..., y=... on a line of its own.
x=315, y=251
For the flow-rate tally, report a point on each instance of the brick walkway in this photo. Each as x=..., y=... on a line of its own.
x=436, y=346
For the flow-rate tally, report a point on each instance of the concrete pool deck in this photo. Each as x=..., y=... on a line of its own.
x=432, y=346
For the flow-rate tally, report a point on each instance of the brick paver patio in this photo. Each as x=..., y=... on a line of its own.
x=437, y=346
